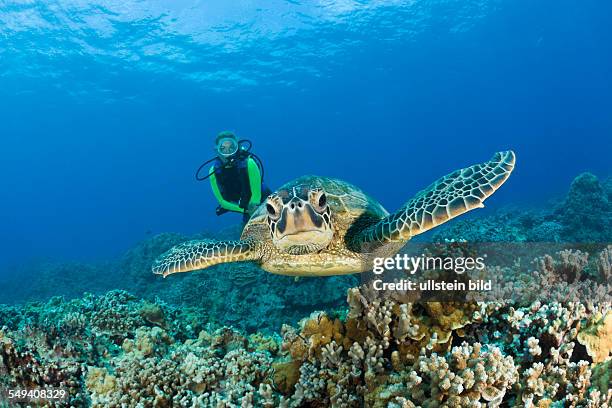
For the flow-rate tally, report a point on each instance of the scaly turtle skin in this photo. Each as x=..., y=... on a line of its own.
x=318, y=226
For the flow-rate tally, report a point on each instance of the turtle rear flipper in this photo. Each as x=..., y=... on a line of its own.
x=448, y=197
x=200, y=254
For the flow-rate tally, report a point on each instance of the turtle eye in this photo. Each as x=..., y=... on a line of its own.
x=322, y=200
x=272, y=208
x=318, y=200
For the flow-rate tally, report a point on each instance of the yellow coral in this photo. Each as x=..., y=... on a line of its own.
x=260, y=342
x=286, y=375
x=356, y=331
x=597, y=338
x=98, y=380
x=319, y=330
x=451, y=316
x=544, y=403
x=298, y=349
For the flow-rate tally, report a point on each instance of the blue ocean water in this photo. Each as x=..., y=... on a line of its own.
x=108, y=107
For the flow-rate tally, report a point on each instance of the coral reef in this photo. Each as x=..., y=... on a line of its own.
x=233, y=336
x=566, y=276
x=530, y=360
x=117, y=350
x=236, y=294
x=216, y=369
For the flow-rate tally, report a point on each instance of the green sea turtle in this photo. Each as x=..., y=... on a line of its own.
x=319, y=226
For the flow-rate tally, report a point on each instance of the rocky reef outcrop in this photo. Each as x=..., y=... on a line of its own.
x=584, y=215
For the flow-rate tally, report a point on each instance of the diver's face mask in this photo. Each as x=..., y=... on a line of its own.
x=227, y=147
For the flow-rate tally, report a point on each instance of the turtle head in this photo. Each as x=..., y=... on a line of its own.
x=299, y=220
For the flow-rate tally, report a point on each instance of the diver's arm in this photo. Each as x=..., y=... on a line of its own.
x=228, y=205
x=254, y=182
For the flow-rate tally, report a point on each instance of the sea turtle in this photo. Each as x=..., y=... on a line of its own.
x=319, y=226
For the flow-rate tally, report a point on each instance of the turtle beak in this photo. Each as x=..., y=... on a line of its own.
x=298, y=216
x=300, y=229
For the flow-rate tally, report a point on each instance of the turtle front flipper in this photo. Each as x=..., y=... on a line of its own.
x=448, y=197
x=199, y=254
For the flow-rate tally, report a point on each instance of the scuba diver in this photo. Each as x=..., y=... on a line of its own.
x=236, y=176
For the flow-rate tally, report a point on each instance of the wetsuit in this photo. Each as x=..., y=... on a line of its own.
x=237, y=186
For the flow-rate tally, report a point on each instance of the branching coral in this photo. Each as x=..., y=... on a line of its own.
x=217, y=368
x=387, y=348
x=566, y=276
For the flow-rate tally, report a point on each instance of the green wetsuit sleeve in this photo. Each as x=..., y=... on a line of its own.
x=228, y=205
x=254, y=181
